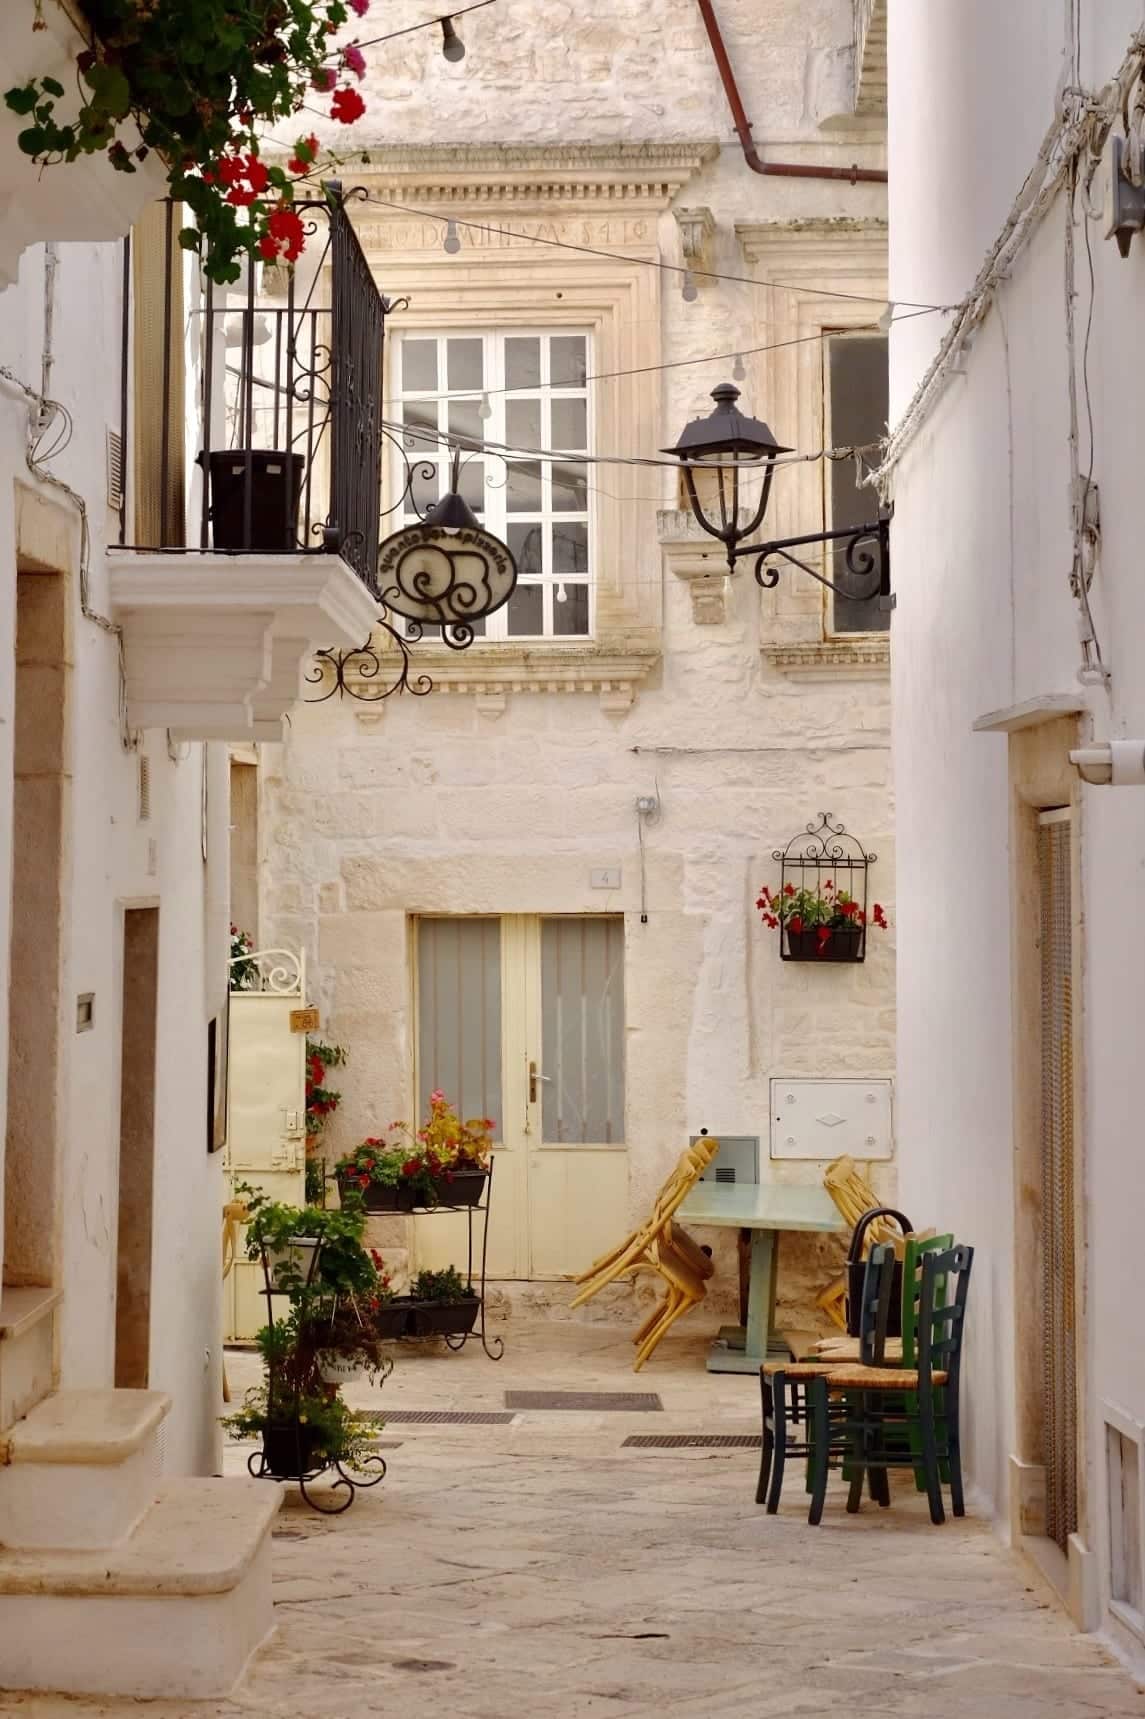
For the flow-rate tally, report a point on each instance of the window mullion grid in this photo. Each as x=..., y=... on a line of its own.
x=496, y=514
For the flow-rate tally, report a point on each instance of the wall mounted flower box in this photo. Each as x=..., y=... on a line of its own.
x=820, y=907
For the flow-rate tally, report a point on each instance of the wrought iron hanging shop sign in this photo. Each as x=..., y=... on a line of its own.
x=446, y=571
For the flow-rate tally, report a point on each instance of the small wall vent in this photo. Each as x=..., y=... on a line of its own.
x=144, y=788
x=115, y=470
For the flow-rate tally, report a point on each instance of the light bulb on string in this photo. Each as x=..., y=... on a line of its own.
x=887, y=317
x=690, y=291
x=451, y=44
x=739, y=370
x=452, y=240
x=485, y=410
x=562, y=594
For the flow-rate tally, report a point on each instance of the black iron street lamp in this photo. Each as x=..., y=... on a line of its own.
x=713, y=451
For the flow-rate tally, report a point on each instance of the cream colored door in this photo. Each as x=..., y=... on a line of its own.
x=266, y=1141
x=522, y=1019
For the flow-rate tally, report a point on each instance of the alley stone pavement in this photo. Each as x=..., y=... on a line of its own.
x=540, y=1568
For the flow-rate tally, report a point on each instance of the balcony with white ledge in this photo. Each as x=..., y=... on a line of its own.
x=239, y=564
x=86, y=199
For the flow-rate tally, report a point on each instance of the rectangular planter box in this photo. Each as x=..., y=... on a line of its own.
x=392, y=1318
x=443, y=1318
x=290, y=1450
x=463, y=1188
x=840, y=946
x=374, y=1197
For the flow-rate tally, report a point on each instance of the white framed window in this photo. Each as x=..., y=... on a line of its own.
x=527, y=390
x=855, y=407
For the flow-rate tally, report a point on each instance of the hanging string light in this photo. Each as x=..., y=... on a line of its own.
x=739, y=371
x=451, y=242
x=690, y=292
x=452, y=46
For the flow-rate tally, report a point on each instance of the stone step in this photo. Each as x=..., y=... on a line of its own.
x=80, y=1469
x=175, y=1611
x=27, y=1349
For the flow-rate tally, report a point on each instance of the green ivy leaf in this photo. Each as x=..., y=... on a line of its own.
x=110, y=89
x=33, y=141
x=22, y=99
x=190, y=238
x=53, y=86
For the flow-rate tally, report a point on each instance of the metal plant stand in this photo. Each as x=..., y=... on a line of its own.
x=494, y=1347
x=300, y=1465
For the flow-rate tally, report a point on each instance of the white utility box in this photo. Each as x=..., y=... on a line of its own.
x=823, y=1119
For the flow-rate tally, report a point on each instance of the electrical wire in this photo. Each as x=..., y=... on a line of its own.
x=426, y=24
x=669, y=364
x=650, y=262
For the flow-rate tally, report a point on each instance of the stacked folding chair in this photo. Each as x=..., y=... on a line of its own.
x=660, y=1245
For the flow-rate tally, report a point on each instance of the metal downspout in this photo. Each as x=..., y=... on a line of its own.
x=779, y=169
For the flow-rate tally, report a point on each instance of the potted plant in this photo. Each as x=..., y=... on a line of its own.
x=243, y=970
x=441, y=1304
x=444, y=1162
x=328, y=1338
x=199, y=83
x=819, y=924
x=321, y=1103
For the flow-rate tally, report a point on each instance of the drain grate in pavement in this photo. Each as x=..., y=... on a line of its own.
x=694, y=1441
x=437, y=1417
x=598, y=1401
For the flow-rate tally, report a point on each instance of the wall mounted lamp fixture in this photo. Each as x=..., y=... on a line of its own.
x=714, y=452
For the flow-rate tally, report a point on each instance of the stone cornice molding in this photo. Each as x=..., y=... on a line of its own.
x=644, y=175
x=843, y=244
x=491, y=670
x=867, y=657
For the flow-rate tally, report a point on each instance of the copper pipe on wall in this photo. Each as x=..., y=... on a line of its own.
x=780, y=169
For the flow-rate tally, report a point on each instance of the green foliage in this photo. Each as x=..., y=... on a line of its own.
x=243, y=971
x=340, y=1437
x=196, y=81
x=445, y=1286
x=344, y=1266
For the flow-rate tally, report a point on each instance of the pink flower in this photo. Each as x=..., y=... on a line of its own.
x=361, y=7
x=354, y=60
x=324, y=78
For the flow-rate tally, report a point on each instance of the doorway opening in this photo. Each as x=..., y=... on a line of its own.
x=39, y=813
x=136, y=1148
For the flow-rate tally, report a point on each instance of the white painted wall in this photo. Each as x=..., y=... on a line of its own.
x=115, y=862
x=984, y=620
x=440, y=806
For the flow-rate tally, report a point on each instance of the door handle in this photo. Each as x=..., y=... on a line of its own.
x=534, y=1077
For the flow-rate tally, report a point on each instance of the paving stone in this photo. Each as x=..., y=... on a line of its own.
x=540, y=1568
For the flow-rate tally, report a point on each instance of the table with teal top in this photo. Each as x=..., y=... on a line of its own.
x=762, y=1210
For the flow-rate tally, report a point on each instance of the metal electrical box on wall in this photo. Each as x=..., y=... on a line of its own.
x=823, y=1119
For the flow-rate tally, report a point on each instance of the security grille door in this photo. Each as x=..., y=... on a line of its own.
x=1059, y=1330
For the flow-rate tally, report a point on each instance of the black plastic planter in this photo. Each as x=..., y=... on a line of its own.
x=291, y=1450
x=375, y=1197
x=443, y=1318
x=842, y=944
x=462, y=1188
x=391, y=1319
x=275, y=480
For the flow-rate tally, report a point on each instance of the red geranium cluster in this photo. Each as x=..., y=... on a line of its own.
x=822, y=910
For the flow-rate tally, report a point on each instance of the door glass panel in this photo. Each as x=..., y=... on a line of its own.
x=419, y=364
x=582, y=1026
x=523, y=361
x=466, y=363
x=459, y=1015
x=570, y=610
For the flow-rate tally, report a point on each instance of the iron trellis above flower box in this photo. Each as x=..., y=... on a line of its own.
x=826, y=867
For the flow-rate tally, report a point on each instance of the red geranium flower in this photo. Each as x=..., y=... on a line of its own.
x=257, y=176
x=789, y=889
x=347, y=106
x=240, y=197
x=285, y=225
x=267, y=249
x=354, y=60
x=795, y=923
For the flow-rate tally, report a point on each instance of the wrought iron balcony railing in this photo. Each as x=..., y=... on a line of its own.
x=254, y=417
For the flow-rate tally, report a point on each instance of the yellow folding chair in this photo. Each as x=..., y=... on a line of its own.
x=634, y=1250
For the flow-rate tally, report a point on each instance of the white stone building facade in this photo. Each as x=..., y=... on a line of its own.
x=508, y=797
x=128, y=665
x=1018, y=640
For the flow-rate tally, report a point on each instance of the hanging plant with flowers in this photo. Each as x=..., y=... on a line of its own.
x=196, y=82
x=824, y=922
x=444, y=1161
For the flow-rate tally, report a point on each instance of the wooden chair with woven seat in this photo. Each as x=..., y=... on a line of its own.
x=852, y=1195
x=786, y=1388
x=863, y=1414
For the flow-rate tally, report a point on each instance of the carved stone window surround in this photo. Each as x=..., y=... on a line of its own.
x=616, y=195
x=786, y=387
